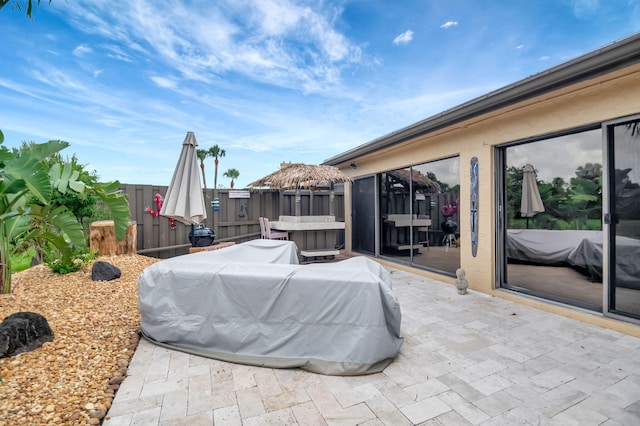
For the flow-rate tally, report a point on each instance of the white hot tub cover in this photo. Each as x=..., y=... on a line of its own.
x=337, y=318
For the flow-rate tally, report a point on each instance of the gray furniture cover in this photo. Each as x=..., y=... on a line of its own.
x=579, y=249
x=252, y=303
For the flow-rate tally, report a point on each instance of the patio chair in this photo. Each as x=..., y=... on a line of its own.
x=274, y=235
x=263, y=231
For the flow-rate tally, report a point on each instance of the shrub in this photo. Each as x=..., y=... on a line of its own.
x=64, y=266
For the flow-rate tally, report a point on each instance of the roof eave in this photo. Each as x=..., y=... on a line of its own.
x=616, y=55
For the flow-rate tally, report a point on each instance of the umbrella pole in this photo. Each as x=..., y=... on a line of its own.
x=527, y=222
x=193, y=235
x=332, y=196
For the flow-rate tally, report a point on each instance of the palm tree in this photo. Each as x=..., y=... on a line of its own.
x=232, y=174
x=202, y=154
x=216, y=152
x=16, y=5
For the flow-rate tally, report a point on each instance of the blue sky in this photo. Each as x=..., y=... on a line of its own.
x=272, y=80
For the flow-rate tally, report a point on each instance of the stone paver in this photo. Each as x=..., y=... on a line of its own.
x=465, y=360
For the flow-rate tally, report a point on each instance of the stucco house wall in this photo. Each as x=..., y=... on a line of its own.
x=610, y=93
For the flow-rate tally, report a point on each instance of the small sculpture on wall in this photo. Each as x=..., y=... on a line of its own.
x=474, y=206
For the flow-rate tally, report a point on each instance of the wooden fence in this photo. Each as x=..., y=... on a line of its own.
x=236, y=220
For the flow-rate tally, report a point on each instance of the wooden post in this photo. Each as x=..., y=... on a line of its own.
x=102, y=239
x=298, y=202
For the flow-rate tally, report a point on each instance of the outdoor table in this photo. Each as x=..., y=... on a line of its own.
x=398, y=231
x=314, y=235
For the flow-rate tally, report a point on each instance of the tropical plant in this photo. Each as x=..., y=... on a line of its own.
x=216, y=152
x=513, y=190
x=233, y=175
x=570, y=205
x=22, y=259
x=585, y=193
x=80, y=258
x=591, y=171
x=444, y=187
x=202, y=154
x=27, y=184
x=17, y=5
x=83, y=205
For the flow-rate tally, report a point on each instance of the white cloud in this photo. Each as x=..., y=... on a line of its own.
x=549, y=156
x=425, y=104
x=277, y=17
x=544, y=58
x=404, y=38
x=63, y=80
x=283, y=43
x=163, y=82
x=449, y=24
x=520, y=46
x=284, y=78
x=585, y=8
x=116, y=52
x=82, y=50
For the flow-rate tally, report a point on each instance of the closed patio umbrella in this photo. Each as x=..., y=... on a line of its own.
x=184, y=200
x=531, y=203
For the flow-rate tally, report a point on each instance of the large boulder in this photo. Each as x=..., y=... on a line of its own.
x=104, y=271
x=23, y=332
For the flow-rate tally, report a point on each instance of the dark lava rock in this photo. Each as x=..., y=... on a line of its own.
x=104, y=271
x=23, y=332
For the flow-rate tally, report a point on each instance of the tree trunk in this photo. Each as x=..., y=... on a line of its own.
x=5, y=261
x=215, y=175
x=102, y=239
x=204, y=179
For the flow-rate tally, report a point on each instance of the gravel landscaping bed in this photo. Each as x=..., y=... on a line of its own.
x=71, y=380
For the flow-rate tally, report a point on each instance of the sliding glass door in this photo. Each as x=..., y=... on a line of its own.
x=623, y=218
x=569, y=218
x=419, y=215
x=364, y=215
x=550, y=209
x=410, y=215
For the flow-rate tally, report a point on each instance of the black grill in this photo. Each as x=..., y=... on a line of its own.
x=201, y=237
x=449, y=227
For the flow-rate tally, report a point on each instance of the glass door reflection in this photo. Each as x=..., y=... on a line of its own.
x=624, y=218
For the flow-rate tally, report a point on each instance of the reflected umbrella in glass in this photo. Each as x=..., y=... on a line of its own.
x=531, y=203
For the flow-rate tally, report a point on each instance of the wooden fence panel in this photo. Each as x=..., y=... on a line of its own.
x=316, y=203
x=237, y=219
x=154, y=231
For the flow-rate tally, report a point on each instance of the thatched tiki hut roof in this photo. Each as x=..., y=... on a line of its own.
x=297, y=175
x=419, y=180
